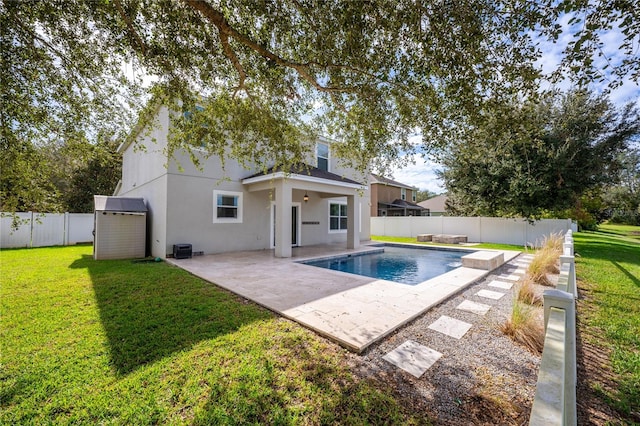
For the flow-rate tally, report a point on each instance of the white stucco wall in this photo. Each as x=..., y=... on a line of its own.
x=179, y=196
x=190, y=217
x=144, y=160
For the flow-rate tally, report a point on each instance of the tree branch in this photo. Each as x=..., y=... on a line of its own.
x=229, y=53
x=217, y=19
x=129, y=23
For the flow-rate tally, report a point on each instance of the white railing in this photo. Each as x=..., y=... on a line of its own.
x=477, y=229
x=45, y=229
x=555, y=400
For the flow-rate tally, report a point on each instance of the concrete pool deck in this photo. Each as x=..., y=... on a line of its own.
x=352, y=310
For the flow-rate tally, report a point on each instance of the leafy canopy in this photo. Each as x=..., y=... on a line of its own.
x=270, y=73
x=538, y=157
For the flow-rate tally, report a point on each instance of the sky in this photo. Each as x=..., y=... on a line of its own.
x=422, y=174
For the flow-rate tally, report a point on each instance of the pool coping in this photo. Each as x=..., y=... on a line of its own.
x=353, y=310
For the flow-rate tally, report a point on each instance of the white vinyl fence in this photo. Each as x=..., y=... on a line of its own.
x=45, y=229
x=477, y=229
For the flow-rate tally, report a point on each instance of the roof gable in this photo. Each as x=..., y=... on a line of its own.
x=376, y=179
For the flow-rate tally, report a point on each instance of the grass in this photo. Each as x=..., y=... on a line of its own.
x=117, y=342
x=608, y=268
x=524, y=328
x=412, y=240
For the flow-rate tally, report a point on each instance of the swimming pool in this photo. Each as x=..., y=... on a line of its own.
x=399, y=264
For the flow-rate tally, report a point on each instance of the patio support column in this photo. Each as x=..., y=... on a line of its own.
x=283, y=218
x=353, y=222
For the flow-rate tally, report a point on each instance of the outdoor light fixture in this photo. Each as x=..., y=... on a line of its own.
x=306, y=197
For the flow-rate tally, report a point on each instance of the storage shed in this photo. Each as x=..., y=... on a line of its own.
x=120, y=227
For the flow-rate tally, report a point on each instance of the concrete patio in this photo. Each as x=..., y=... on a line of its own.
x=352, y=310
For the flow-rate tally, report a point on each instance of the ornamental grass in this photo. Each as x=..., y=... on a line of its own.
x=524, y=328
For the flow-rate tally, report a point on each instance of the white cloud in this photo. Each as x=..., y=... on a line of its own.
x=421, y=174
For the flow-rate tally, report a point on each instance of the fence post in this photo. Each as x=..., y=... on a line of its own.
x=30, y=230
x=572, y=286
x=65, y=230
x=553, y=298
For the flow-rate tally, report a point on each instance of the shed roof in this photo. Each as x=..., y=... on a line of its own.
x=119, y=204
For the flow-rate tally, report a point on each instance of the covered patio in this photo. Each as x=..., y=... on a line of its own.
x=308, y=179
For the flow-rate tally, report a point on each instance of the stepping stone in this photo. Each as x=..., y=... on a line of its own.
x=450, y=326
x=519, y=271
x=490, y=294
x=501, y=284
x=413, y=357
x=476, y=308
x=511, y=277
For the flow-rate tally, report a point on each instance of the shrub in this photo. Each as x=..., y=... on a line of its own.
x=523, y=328
x=625, y=218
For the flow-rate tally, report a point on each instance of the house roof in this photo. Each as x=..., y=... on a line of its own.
x=306, y=170
x=435, y=204
x=386, y=181
x=119, y=204
x=402, y=204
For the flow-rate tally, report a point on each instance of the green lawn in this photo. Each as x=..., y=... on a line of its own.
x=608, y=268
x=412, y=240
x=145, y=343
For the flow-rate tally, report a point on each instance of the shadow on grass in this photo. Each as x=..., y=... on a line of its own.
x=151, y=310
x=596, y=245
x=628, y=274
x=301, y=382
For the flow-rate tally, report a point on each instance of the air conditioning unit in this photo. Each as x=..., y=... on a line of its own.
x=182, y=251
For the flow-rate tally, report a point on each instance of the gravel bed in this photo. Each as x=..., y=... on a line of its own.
x=481, y=378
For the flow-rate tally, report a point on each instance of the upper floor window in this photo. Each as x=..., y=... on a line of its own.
x=322, y=153
x=413, y=195
x=403, y=193
x=227, y=207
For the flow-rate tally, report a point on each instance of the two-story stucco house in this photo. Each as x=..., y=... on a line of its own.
x=236, y=209
x=391, y=198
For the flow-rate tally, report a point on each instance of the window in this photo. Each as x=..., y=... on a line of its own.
x=403, y=193
x=227, y=207
x=337, y=217
x=413, y=195
x=322, y=152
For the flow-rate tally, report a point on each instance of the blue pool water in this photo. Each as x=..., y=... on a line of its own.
x=402, y=265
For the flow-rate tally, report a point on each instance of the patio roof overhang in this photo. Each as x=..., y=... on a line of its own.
x=325, y=187
x=399, y=206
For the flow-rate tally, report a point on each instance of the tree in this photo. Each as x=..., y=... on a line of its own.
x=622, y=200
x=25, y=183
x=99, y=175
x=266, y=74
x=542, y=159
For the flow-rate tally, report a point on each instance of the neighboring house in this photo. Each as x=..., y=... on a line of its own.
x=235, y=209
x=391, y=198
x=435, y=205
